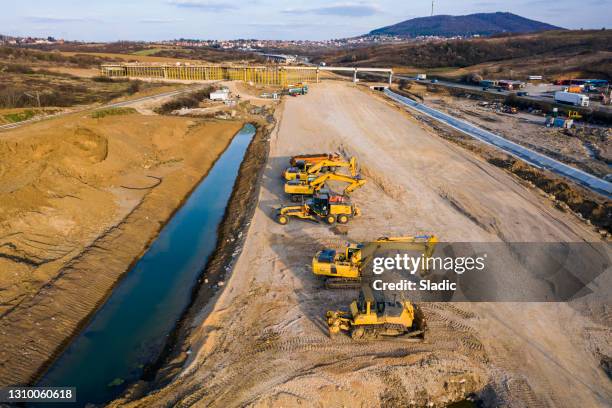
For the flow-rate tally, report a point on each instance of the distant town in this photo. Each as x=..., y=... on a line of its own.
x=249, y=44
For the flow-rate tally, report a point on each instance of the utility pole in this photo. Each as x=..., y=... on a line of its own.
x=432, y=7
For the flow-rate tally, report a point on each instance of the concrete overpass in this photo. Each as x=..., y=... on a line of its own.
x=354, y=70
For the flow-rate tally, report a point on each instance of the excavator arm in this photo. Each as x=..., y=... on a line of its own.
x=424, y=243
x=353, y=182
x=351, y=164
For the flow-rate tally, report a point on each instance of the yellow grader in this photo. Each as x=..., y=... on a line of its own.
x=321, y=207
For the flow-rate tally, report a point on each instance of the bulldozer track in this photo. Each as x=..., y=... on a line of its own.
x=245, y=372
x=245, y=362
x=519, y=389
x=454, y=309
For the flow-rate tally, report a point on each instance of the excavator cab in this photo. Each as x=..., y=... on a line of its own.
x=353, y=252
x=320, y=204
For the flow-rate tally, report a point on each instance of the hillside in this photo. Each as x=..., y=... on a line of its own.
x=552, y=53
x=473, y=24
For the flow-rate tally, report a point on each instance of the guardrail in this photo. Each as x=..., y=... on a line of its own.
x=532, y=157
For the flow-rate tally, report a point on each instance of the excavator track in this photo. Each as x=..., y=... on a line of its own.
x=342, y=283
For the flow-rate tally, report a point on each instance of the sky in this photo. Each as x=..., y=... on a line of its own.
x=151, y=20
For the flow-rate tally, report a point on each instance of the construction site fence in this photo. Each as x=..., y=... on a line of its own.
x=279, y=76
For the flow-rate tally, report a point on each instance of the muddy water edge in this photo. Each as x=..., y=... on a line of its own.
x=62, y=371
x=231, y=236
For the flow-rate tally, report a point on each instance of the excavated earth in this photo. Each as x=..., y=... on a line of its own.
x=80, y=200
x=262, y=340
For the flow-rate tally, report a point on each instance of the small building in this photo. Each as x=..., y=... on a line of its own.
x=220, y=95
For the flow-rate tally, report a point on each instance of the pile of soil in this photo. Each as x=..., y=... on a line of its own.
x=80, y=200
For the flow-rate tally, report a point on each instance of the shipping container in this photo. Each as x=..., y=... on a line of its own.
x=571, y=98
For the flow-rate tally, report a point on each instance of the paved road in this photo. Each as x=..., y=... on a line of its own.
x=537, y=97
x=110, y=105
x=530, y=156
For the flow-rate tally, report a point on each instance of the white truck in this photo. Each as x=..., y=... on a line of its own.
x=571, y=98
x=421, y=77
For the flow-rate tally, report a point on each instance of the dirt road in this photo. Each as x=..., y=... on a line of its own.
x=263, y=341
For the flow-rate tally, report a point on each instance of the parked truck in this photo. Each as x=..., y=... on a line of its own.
x=569, y=98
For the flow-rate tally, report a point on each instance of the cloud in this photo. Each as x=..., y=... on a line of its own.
x=339, y=9
x=293, y=25
x=59, y=20
x=203, y=5
x=160, y=20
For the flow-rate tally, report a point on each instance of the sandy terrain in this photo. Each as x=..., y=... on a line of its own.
x=128, y=57
x=263, y=341
x=80, y=199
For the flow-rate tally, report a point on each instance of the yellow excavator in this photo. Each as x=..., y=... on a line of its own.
x=304, y=188
x=373, y=317
x=313, y=169
x=301, y=159
x=321, y=207
x=344, y=270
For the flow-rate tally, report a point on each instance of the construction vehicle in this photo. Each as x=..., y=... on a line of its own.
x=372, y=317
x=345, y=270
x=571, y=98
x=308, y=169
x=574, y=115
x=297, y=89
x=301, y=159
x=321, y=207
x=298, y=189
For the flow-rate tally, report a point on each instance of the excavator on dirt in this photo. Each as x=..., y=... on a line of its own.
x=323, y=166
x=298, y=189
x=345, y=270
x=302, y=159
x=321, y=207
x=372, y=317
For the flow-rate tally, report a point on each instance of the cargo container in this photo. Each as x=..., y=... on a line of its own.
x=571, y=98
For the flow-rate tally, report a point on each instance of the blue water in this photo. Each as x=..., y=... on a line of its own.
x=131, y=328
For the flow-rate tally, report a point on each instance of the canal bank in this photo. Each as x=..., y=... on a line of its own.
x=231, y=235
x=131, y=329
x=151, y=165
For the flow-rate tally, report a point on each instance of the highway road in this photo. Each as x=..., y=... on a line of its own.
x=537, y=96
x=532, y=157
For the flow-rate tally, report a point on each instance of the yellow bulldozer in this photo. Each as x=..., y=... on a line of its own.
x=309, y=169
x=321, y=207
x=373, y=317
x=345, y=269
x=297, y=189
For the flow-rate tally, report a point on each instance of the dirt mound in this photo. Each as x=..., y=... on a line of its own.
x=598, y=212
x=80, y=198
